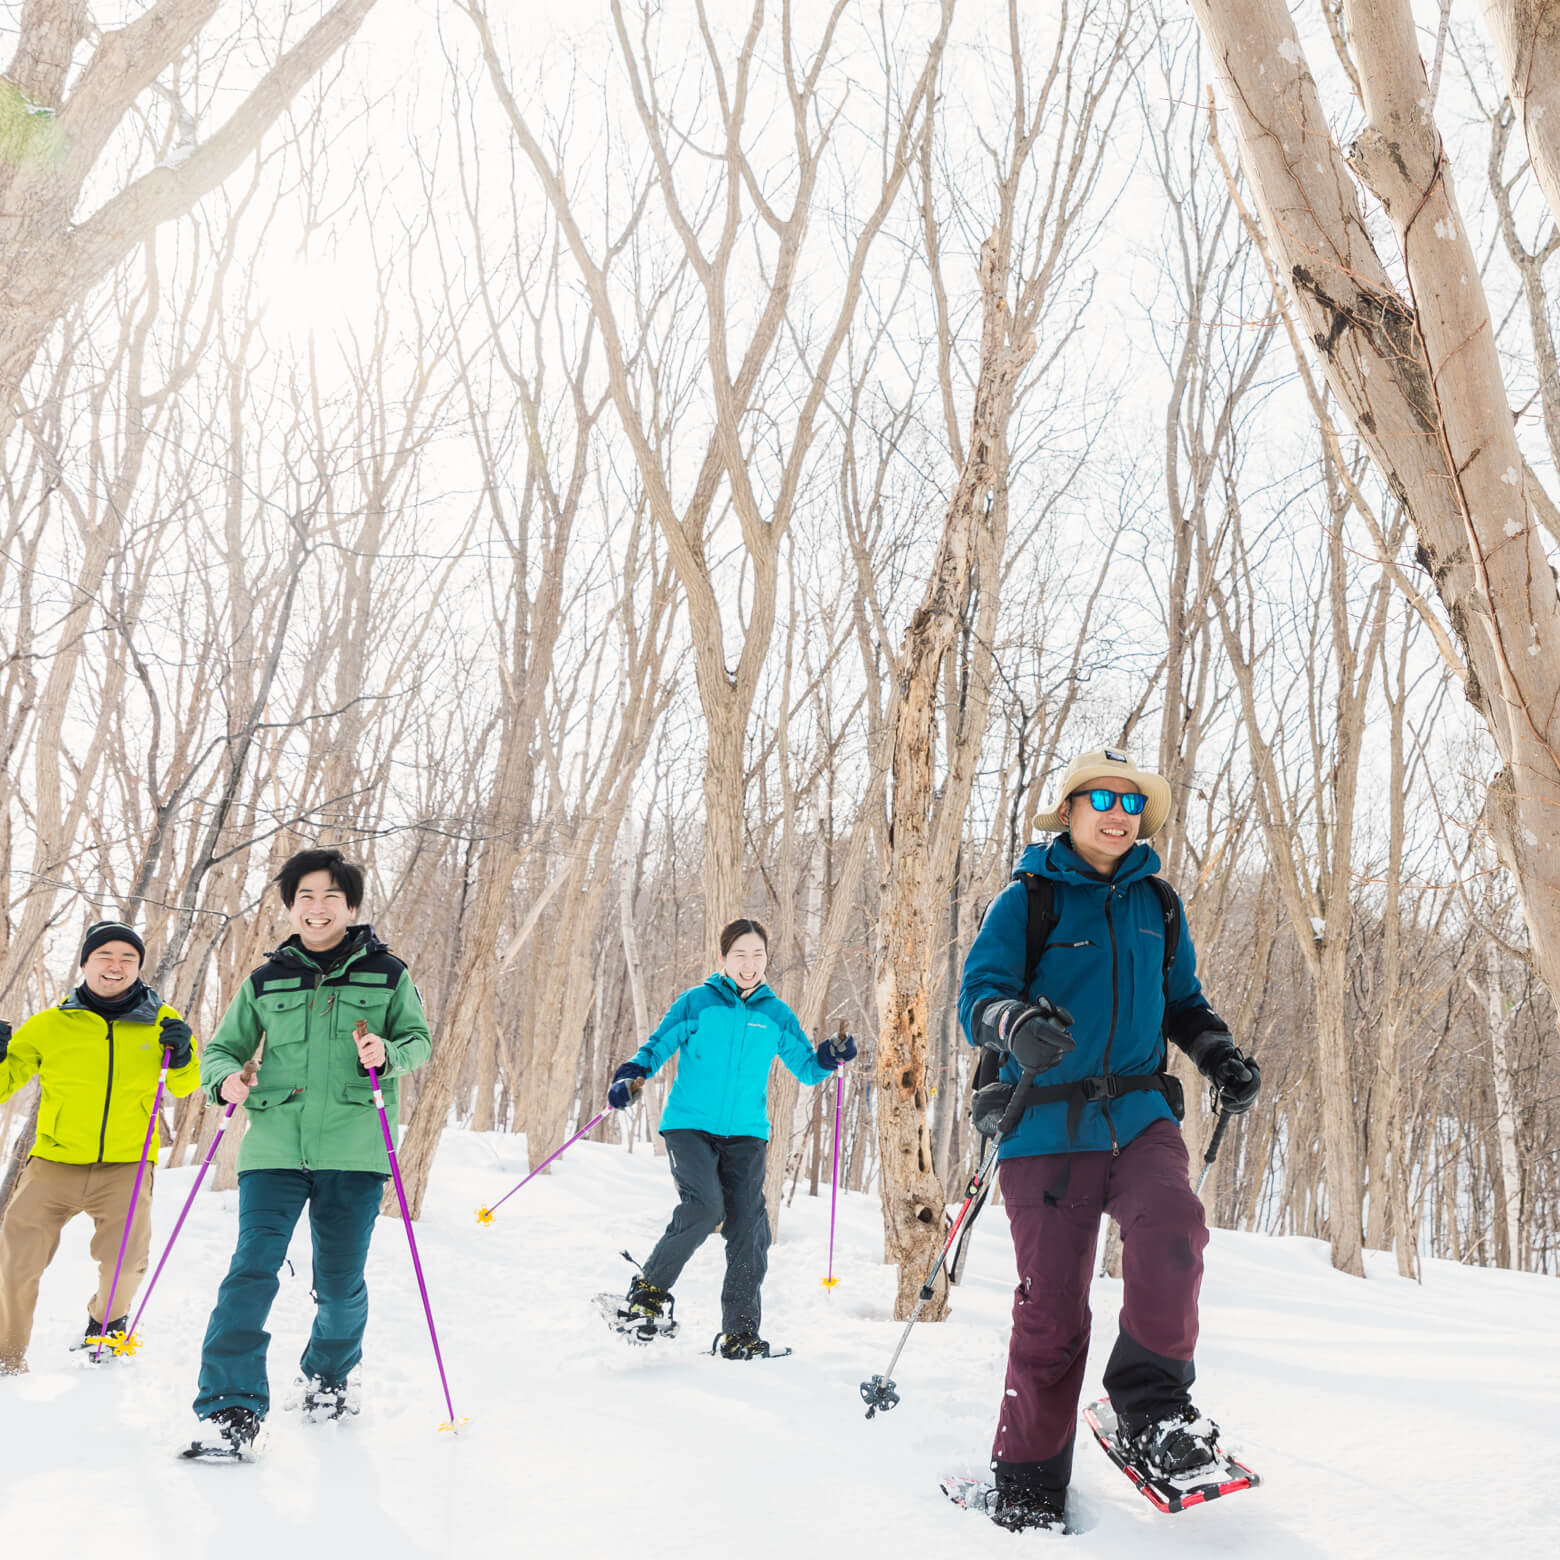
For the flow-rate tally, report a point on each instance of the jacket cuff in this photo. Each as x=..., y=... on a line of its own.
x=1184, y=1027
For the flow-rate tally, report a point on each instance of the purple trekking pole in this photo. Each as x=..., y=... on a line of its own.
x=451, y=1424
x=485, y=1215
x=129, y=1343
x=834, y=1190
x=135, y=1198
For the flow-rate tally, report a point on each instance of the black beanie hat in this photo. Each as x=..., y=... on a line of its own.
x=101, y=932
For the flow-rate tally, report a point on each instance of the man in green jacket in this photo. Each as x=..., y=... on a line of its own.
x=98, y=1054
x=314, y=1137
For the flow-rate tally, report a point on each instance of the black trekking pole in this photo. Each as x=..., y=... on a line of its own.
x=1213, y=1143
x=879, y=1392
x=1213, y=1149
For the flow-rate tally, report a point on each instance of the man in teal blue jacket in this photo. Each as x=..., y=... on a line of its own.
x=1116, y=978
x=716, y=1125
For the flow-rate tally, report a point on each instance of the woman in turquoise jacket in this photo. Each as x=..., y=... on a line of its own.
x=716, y=1126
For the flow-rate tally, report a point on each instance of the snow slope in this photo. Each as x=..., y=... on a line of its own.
x=1386, y=1418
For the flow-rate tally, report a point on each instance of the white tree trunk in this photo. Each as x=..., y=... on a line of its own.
x=1421, y=379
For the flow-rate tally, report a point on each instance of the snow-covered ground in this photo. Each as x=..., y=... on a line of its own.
x=1386, y=1418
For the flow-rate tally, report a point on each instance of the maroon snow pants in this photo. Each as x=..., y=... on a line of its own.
x=1055, y=1223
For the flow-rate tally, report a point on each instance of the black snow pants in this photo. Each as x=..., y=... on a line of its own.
x=720, y=1181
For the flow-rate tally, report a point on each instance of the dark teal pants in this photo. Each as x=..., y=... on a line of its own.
x=343, y=1205
x=720, y=1181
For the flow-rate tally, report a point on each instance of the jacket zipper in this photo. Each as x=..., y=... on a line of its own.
x=308, y=1024
x=108, y=1093
x=737, y=1016
x=1115, y=998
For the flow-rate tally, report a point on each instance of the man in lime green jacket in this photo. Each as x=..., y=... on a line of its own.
x=98, y=1054
x=330, y=1003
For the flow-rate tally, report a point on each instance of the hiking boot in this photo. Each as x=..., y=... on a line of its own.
x=647, y=1311
x=237, y=1426
x=322, y=1401
x=103, y=1333
x=740, y=1346
x=1029, y=1510
x=1181, y=1442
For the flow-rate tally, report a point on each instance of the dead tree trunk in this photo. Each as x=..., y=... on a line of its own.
x=913, y=892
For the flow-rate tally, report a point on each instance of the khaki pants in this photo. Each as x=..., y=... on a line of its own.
x=47, y=1197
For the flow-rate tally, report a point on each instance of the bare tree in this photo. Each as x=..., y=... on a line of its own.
x=1414, y=364
x=714, y=202
x=53, y=254
x=1061, y=118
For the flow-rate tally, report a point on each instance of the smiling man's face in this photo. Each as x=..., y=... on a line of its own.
x=112, y=969
x=1101, y=838
x=319, y=913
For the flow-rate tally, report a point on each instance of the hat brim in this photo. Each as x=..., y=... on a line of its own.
x=1155, y=787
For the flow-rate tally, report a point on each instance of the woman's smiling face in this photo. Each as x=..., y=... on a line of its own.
x=746, y=960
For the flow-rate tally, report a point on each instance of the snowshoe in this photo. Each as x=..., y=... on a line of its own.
x=104, y=1333
x=1196, y=1483
x=745, y=1346
x=229, y=1435
x=644, y=1314
x=321, y=1401
x=1018, y=1511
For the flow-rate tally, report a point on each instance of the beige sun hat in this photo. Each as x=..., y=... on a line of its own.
x=1110, y=766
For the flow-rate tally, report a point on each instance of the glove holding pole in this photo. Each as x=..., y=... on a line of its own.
x=627, y=1081
x=1036, y=1036
x=1235, y=1078
x=1228, y=1106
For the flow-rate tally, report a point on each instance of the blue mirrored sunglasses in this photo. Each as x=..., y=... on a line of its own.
x=1101, y=799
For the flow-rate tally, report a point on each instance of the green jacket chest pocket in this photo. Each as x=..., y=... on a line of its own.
x=284, y=1015
x=354, y=1004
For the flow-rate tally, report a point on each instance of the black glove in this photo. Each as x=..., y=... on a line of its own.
x=989, y=1105
x=835, y=1050
x=1236, y=1078
x=178, y=1041
x=1035, y=1035
x=5, y=1038
x=620, y=1094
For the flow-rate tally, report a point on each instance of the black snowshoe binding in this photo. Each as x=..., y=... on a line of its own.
x=740, y=1346
x=1018, y=1509
x=229, y=1435
x=322, y=1401
x=1028, y=1511
x=645, y=1314
x=1180, y=1443
x=104, y=1334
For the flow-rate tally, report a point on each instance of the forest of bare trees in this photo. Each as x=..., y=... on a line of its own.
x=687, y=461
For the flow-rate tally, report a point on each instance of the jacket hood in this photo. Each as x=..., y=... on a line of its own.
x=144, y=1012
x=1058, y=861
x=360, y=939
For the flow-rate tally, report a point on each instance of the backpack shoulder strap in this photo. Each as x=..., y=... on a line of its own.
x=1170, y=909
x=1041, y=923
